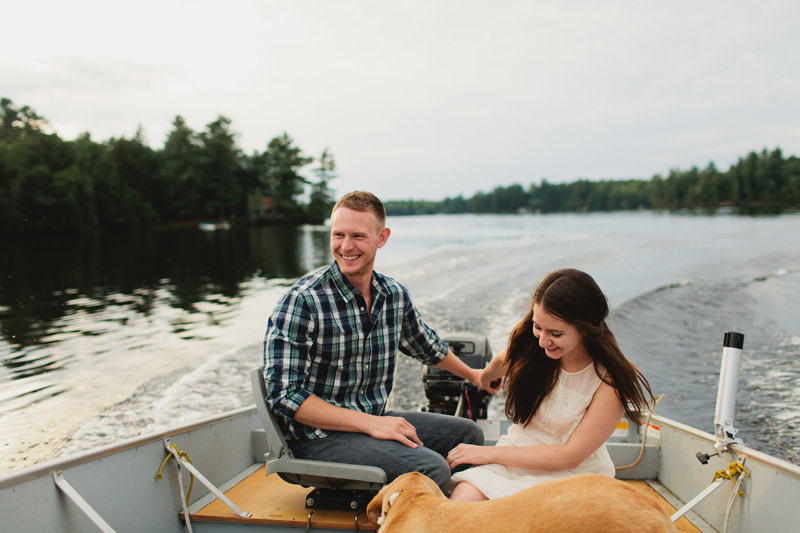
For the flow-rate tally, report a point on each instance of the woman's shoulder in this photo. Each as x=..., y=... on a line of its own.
x=585, y=380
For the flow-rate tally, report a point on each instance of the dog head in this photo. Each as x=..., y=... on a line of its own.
x=399, y=492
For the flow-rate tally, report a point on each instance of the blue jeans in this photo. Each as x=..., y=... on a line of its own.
x=438, y=433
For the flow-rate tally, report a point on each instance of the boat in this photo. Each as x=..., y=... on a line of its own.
x=227, y=474
x=214, y=226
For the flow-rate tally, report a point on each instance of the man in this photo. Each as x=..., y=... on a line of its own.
x=329, y=357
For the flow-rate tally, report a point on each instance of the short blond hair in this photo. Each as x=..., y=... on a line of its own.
x=363, y=201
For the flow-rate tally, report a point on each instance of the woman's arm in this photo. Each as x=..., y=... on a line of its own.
x=494, y=370
x=597, y=425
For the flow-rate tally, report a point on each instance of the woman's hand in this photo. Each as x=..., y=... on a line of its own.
x=490, y=382
x=492, y=377
x=469, y=454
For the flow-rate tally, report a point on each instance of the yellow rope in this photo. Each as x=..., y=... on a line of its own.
x=166, y=460
x=735, y=469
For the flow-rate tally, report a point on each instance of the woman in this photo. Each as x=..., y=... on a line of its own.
x=566, y=390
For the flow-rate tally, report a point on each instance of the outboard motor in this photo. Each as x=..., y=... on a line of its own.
x=451, y=395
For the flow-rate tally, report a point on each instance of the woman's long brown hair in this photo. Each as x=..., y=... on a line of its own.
x=574, y=297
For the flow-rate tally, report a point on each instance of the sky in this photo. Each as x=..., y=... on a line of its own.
x=424, y=99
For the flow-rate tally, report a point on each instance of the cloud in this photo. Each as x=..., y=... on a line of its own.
x=426, y=99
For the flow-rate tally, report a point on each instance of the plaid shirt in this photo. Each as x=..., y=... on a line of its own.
x=321, y=341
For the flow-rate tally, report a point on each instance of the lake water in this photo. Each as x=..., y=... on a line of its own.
x=108, y=338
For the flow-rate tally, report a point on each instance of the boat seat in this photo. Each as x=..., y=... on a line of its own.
x=308, y=473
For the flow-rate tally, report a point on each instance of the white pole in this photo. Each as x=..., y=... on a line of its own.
x=697, y=499
x=726, y=392
x=723, y=416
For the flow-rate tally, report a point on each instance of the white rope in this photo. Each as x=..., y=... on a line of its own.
x=644, y=436
x=183, y=499
x=731, y=500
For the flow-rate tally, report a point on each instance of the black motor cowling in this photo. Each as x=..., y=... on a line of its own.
x=451, y=395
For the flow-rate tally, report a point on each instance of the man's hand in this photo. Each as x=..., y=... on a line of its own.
x=394, y=428
x=456, y=366
x=318, y=413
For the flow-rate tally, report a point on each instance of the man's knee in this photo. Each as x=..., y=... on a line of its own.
x=436, y=468
x=456, y=428
x=467, y=431
x=473, y=434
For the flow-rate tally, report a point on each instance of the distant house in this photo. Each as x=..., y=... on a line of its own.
x=262, y=207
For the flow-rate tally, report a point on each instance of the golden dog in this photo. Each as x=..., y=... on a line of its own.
x=413, y=503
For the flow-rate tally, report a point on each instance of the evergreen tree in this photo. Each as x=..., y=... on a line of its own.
x=321, y=199
x=16, y=122
x=280, y=179
x=790, y=186
x=89, y=156
x=126, y=184
x=43, y=191
x=180, y=178
x=218, y=168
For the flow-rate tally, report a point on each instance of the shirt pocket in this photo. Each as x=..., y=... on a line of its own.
x=339, y=345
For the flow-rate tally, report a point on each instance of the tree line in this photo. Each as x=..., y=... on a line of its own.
x=758, y=180
x=50, y=184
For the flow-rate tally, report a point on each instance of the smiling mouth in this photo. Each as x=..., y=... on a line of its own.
x=350, y=257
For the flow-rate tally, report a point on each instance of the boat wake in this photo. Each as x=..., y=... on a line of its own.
x=667, y=351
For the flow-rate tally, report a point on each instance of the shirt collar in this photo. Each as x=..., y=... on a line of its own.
x=346, y=288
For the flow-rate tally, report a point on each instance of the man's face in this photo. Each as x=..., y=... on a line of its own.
x=355, y=239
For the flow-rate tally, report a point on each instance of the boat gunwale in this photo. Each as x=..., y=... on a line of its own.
x=56, y=465
x=49, y=467
x=779, y=465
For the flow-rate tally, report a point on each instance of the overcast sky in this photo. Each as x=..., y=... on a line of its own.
x=424, y=99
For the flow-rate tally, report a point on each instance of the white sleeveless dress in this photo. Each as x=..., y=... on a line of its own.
x=555, y=420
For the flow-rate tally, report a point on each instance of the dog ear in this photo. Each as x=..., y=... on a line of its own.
x=375, y=508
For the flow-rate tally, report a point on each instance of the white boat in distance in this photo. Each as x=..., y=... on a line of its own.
x=214, y=226
x=145, y=484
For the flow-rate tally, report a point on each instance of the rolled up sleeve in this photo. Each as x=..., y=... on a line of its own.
x=286, y=355
x=420, y=341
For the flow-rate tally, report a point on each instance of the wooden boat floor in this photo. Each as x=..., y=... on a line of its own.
x=682, y=524
x=272, y=501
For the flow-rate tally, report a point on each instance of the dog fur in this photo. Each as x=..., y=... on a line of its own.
x=413, y=503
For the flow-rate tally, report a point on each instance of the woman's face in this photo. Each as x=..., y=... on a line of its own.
x=561, y=340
